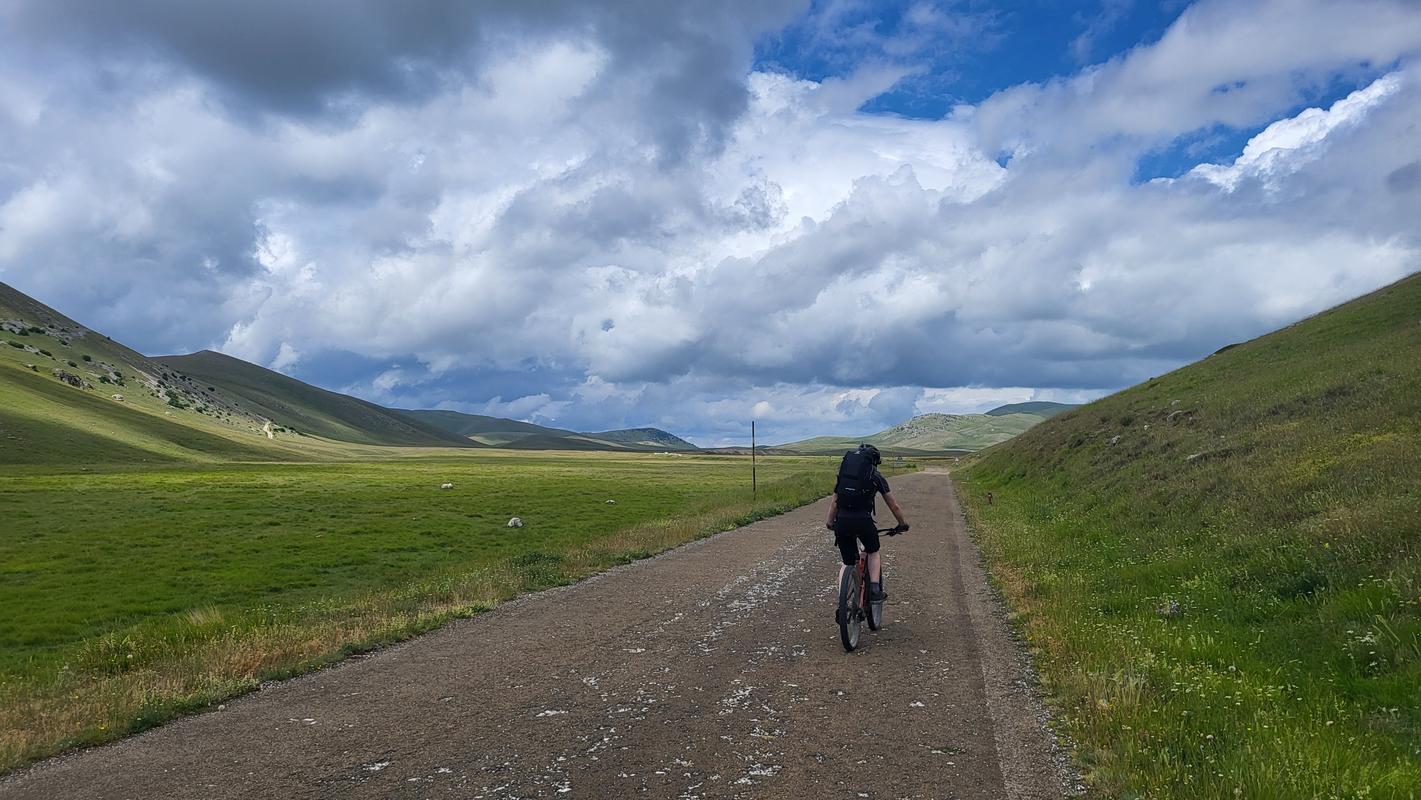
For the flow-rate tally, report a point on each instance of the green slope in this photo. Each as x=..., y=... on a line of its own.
x=1040, y=408
x=513, y=434
x=44, y=421
x=35, y=336
x=643, y=439
x=928, y=433
x=121, y=406
x=479, y=425
x=1222, y=567
x=309, y=409
x=539, y=441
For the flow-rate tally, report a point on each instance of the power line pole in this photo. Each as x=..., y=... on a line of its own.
x=754, y=478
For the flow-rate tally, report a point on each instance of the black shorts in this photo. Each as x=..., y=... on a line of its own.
x=853, y=527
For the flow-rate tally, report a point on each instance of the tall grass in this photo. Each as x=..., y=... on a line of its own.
x=1221, y=569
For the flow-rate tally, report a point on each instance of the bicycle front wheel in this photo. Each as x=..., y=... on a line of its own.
x=850, y=613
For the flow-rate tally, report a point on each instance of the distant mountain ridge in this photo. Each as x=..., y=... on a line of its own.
x=306, y=408
x=654, y=438
x=476, y=424
x=260, y=408
x=516, y=435
x=935, y=433
x=88, y=398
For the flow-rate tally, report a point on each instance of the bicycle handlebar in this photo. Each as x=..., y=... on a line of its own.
x=885, y=531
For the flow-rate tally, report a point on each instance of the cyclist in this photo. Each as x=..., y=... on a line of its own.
x=852, y=520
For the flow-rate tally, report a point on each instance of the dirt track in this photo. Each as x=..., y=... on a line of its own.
x=712, y=671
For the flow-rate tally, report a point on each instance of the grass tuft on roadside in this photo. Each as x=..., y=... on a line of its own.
x=1220, y=570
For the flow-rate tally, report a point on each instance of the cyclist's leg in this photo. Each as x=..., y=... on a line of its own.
x=848, y=548
x=869, y=536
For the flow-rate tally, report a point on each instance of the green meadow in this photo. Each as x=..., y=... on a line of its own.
x=134, y=592
x=1220, y=569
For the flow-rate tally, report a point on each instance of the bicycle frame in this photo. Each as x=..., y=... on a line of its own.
x=854, y=604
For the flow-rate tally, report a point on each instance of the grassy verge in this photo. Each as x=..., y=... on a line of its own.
x=1220, y=570
x=140, y=595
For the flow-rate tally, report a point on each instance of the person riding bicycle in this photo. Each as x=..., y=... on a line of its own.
x=851, y=512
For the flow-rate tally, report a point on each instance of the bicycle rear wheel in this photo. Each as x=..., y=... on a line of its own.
x=850, y=613
x=874, y=611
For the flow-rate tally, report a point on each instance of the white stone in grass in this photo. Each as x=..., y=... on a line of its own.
x=611, y=502
x=516, y=522
x=446, y=486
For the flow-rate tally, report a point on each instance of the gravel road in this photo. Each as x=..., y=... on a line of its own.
x=712, y=671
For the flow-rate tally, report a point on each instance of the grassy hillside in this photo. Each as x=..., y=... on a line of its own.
x=1221, y=568
x=575, y=441
x=499, y=432
x=44, y=421
x=38, y=338
x=70, y=395
x=928, y=433
x=1040, y=408
x=306, y=408
x=479, y=425
x=644, y=439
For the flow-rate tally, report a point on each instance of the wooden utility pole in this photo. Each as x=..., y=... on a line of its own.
x=754, y=479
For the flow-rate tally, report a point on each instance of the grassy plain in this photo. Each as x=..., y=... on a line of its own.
x=1221, y=569
x=135, y=592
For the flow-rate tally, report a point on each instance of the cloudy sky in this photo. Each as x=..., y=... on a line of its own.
x=827, y=215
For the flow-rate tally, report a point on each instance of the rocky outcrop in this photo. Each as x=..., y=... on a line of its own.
x=72, y=379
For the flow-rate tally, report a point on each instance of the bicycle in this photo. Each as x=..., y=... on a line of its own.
x=854, y=606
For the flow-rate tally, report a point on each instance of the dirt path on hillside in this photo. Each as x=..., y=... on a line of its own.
x=712, y=671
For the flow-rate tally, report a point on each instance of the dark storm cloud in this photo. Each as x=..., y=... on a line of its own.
x=1405, y=179
x=331, y=58
x=272, y=54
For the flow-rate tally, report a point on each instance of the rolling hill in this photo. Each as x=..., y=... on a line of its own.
x=928, y=433
x=71, y=395
x=643, y=439
x=491, y=431
x=1222, y=565
x=512, y=434
x=1040, y=408
x=306, y=408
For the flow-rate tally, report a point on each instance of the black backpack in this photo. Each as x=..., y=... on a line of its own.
x=855, y=487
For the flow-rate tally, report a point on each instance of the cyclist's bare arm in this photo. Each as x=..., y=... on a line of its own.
x=833, y=512
x=893, y=506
